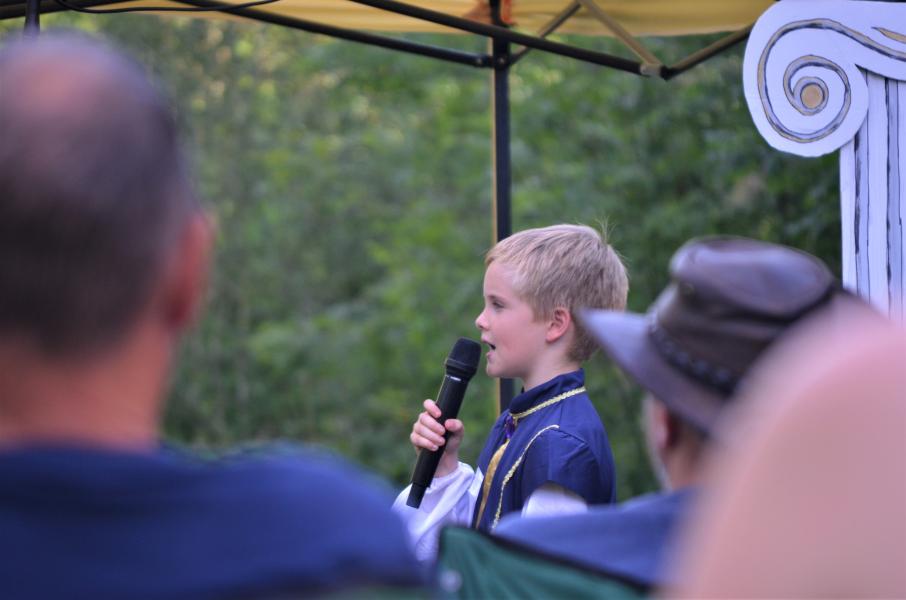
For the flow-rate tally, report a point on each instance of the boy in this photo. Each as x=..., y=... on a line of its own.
x=548, y=453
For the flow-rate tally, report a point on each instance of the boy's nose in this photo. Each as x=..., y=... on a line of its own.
x=479, y=321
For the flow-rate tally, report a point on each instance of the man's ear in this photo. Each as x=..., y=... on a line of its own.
x=673, y=428
x=665, y=427
x=558, y=324
x=658, y=417
x=185, y=279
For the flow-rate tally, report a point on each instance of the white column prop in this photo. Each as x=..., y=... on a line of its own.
x=823, y=75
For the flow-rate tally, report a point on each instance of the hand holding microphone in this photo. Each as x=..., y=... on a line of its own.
x=429, y=434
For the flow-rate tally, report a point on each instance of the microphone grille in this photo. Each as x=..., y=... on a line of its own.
x=464, y=357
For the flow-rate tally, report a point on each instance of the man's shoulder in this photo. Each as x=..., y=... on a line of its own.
x=648, y=517
x=298, y=479
x=272, y=519
x=274, y=462
x=629, y=538
x=331, y=514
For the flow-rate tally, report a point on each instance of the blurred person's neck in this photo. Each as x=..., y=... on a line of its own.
x=111, y=400
x=674, y=446
x=681, y=466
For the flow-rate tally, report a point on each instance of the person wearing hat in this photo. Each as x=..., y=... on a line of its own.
x=728, y=300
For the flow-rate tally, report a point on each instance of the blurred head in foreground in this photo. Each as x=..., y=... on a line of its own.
x=103, y=248
x=103, y=257
x=809, y=494
x=728, y=300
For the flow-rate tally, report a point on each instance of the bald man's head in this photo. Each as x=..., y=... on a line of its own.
x=93, y=192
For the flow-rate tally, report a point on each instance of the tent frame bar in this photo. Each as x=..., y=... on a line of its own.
x=497, y=32
x=700, y=56
x=652, y=63
x=550, y=27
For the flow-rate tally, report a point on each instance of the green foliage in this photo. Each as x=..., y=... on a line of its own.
x=351, y=186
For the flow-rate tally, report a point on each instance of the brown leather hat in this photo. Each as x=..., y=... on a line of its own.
x=729, y=299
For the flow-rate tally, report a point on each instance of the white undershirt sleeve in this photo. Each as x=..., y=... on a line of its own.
x=449, y=500
x=553, y=499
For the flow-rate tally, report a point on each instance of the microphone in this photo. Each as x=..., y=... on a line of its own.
x=459, y=368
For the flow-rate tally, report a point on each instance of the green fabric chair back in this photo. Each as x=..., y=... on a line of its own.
x=473, y=564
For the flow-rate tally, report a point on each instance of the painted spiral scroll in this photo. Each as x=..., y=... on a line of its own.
x=804, y=69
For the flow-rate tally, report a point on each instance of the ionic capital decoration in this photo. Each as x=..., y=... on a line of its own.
x=804, y=64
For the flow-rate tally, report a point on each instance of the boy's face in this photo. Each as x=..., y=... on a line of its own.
x=516, y=339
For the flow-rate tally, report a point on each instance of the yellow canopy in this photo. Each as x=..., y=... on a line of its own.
x=638, y=17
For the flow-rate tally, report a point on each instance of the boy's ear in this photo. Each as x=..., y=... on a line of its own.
x=558, y=324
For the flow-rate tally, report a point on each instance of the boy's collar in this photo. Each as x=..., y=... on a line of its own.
x=550, y=388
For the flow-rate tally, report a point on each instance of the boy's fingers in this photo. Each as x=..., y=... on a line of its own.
x=454, y=426
x=431, y=408
x=431, y=423
x=427, y=432
x=429, y=429
x=422, y=442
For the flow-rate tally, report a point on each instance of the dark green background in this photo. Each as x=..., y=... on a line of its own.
x=351, y=186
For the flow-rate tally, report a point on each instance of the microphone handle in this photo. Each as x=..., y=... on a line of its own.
x=449, y=400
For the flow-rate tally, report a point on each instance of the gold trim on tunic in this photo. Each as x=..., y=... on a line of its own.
x=498, y=454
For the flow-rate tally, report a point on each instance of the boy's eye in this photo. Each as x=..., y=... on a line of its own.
x=496, y=304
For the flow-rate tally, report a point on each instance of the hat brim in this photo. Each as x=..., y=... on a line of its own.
x=624, y=337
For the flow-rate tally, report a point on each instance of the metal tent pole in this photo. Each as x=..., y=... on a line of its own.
x=32, y=17
x=501, y=201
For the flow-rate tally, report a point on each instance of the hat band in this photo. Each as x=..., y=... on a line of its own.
x=716, y=377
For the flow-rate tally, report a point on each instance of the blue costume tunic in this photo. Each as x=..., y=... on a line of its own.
x=99, y=524
x=632, y=540
x=562, y=442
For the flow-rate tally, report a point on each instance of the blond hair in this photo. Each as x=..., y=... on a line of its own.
x=569, y=266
